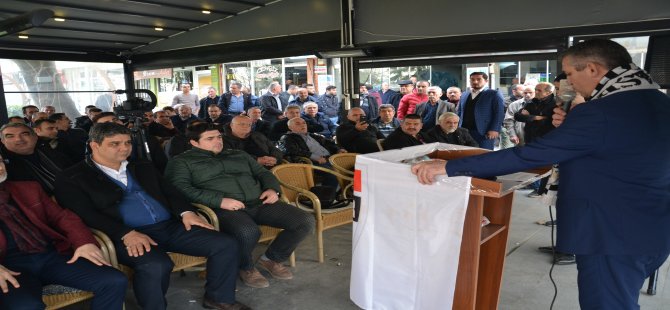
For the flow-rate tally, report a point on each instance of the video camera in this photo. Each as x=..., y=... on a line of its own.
x=135, y=106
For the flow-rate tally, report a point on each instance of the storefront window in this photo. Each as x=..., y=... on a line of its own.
x=23, y=78
x=265, y=72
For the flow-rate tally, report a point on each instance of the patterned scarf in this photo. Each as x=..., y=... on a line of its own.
x=623, y=78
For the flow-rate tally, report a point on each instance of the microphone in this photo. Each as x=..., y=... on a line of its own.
x=567, y=97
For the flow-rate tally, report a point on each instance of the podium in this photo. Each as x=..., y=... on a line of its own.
x=482, y=255
x=421, y=246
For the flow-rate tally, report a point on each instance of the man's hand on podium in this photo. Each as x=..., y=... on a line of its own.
x=426, y=171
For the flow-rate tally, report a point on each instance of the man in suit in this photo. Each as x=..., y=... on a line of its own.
x=272, y=104
x=235, y=102
x=482, y=111
x=146, y=217
x=613, y=202
x=258, y=124
x=41, y=243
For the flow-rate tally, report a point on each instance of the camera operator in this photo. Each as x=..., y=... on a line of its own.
x=356, y=135
x=155, y=153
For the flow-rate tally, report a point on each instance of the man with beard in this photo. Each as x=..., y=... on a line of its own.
x=482, y=110
x=447, y=131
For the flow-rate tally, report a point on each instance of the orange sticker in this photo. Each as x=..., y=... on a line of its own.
x=357, y=181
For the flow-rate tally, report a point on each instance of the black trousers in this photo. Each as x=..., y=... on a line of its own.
x=152, y=270
x=243, y=224
x=108, y=284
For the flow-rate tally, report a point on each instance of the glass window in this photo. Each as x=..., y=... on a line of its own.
x=237, y=72
x=24, y=78
x=265, y=72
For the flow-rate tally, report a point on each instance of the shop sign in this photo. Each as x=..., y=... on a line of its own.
x=152, y=74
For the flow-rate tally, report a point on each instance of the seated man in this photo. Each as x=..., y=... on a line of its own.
x=244, y=195
x=162, y=126
x=85, y=122
x=258, y=124
x=409, y=134
x=215, y=116
x=156, y=153
x=237, y=135
x=280, y=127
x=299, y=143
x=386, y=122
x=312, y=115
x=357, y=136
x=183, y=118
x=25, y=161
x=73, y=139
x=145, y=216
x=447, y=131
x=37, y=239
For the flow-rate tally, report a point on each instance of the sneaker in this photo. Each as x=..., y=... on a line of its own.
x=534, y=194
x=277, y=270
x=253, y=278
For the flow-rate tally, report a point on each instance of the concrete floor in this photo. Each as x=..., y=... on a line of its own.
x=526, y=283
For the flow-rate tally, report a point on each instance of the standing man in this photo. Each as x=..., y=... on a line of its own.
x=611, y=198
x=272, y=105
x=386, y=93
x=28, y=112
x=49, y=110
x=368, y=103
x=212, y=98
x=235, y=102
x=482, y=110
x=329, y=104
x=187, y=98
x=409, y=102
x=454, y=96
x=431, y=110
x=515, y=128
x=146, y=217
x=406, y=87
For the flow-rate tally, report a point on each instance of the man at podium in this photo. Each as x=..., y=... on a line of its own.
x=613, y=203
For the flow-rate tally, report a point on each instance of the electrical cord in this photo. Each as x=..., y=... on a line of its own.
x=553, y=260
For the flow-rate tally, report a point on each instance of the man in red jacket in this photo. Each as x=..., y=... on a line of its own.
x=42, y=244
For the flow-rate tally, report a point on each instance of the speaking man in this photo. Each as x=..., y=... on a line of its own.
x=613, y=203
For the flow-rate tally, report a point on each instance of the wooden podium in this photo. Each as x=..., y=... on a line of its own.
x=482, y=255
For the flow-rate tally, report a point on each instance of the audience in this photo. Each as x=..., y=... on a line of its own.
x=409, y=134
x=386, y=122
x=357, y=136
x=313, y=117
x=237, y=135
x=447, y=131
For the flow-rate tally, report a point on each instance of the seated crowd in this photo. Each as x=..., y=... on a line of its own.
x=136, y=182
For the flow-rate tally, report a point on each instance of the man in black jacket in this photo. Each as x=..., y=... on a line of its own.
x=357, y=136
x=211, y=98
x=447, y=131
x=237, y=135
x=26, y=162
x=300, y=143
x=280, y=127
x=409, y=134
x=145, y=216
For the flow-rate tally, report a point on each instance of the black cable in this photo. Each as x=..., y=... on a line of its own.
x=553, y=260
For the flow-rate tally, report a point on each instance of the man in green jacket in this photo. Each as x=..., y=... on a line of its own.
x=244, y=195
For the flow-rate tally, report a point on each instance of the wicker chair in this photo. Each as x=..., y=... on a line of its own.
x=380, y=144
x=58, y=296
x=296, y=180
x=343, y=163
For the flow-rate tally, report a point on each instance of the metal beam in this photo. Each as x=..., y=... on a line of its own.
x=115, y=11
x=183, y=7
x=104, y=31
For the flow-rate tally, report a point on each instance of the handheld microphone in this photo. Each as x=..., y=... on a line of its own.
x=567, y=97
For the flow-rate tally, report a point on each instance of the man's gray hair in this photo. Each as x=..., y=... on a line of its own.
x=309, y=103
x=447, y=115
x=15, y=125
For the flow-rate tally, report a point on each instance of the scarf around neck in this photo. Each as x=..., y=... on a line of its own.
x=623, y=78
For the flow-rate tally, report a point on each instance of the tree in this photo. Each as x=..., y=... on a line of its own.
x=42, y=75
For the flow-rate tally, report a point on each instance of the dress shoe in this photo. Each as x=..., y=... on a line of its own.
x=564, y=259
x=277, y=270
x=546, y=249
x=253, y=278
x=210, y=304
